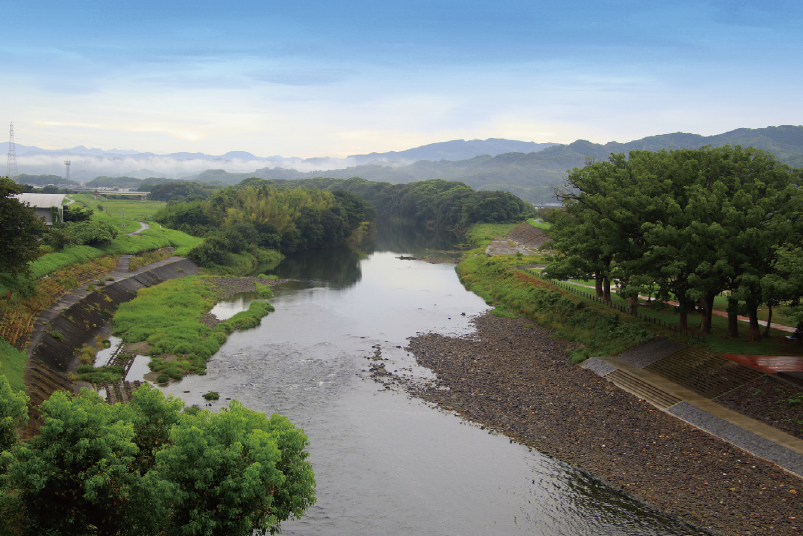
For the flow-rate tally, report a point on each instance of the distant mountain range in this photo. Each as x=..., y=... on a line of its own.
x=527, y=169
x=531, y=175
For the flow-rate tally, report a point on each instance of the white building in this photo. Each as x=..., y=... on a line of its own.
x=42, y=203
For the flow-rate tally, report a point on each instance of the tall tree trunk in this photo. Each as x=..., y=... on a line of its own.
x=733, y=321
x=606, y=288
x=755, y=329
x=705, y=320
x=683, y=318
x=769, y=321
x=598, y=284
x=632, y=304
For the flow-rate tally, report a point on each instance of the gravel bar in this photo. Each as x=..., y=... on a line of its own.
x=745, y=439
x=516, y=378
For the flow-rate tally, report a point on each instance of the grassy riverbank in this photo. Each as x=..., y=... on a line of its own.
x=169, y=318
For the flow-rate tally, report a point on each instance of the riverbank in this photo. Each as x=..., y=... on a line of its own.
x=513, y=377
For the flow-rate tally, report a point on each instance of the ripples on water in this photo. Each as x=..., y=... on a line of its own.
x=385, y=463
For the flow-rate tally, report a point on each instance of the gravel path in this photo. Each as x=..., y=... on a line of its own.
x=515, y=378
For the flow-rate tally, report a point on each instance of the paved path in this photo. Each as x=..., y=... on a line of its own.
x=142, y=227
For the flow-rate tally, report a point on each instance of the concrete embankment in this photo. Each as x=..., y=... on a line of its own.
x=77, y=320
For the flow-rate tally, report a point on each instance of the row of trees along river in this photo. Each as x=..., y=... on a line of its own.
x=686, y=224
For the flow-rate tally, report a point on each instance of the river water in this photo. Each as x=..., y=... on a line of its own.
x=386, y=464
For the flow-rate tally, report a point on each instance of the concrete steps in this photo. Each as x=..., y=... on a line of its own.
x=645, y=391
x=703, y=372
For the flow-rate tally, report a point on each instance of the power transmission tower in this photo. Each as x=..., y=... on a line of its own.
x=67, y=163
x=12, y=173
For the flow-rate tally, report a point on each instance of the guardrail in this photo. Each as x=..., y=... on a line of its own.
x=593, y=297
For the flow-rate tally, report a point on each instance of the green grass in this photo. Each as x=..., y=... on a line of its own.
x=135, y=210
x=12, y=365
x=482, y=234
x=540, y=225
x=599, y=330
x=718, y=341
x=122, y=245
x=168, y=316
x=88, y=373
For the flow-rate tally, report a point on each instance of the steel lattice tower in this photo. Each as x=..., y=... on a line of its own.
x=11, y=172
x=67, y=163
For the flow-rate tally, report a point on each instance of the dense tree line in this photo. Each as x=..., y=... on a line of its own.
x=261, y=215
x=180, y=191
x=432, y=203
x=687, y=224
x=148, y=467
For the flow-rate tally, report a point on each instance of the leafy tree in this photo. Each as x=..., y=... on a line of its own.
x=20, y=230
x=75, y=212
x=13, y=413
x=92, y=233
x=75, y=474
x=149, y=468
x=222, y=474
x=693, y=222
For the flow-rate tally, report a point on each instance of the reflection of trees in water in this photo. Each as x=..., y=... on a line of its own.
x=409, y=239
x=337, y=267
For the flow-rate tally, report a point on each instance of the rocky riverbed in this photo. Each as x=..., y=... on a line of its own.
x=515, y=378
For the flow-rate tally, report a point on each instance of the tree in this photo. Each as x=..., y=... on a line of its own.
x=75, y=474
x=149, y=468
x=20, y=230
x=693, y=222
x=233, y=471
x=13, y=413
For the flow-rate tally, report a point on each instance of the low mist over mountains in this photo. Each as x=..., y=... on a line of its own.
x=525, y=168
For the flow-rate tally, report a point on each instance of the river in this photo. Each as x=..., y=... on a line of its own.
x=386, y=464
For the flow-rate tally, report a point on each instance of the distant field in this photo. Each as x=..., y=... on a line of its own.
x=135, y=210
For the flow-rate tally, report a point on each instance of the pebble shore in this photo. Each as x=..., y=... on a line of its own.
x=515, y=378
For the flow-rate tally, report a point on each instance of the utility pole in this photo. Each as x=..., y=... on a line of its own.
x=12, y=155
x=67, y=163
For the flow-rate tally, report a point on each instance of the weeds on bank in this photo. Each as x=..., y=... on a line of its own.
x=21, y=309
x=110, y=374
x=168, y=317
x=599, y=330
x=149, y=257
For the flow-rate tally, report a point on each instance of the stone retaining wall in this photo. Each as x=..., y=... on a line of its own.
x=56, y=355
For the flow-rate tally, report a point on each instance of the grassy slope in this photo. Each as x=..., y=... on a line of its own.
x=487, y=277
x=23, y=309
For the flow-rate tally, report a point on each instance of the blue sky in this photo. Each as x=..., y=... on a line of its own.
x=329, y=78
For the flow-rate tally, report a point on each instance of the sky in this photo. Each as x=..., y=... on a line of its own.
x=333, y=78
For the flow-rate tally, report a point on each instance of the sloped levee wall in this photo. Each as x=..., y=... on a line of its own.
x=56, y=355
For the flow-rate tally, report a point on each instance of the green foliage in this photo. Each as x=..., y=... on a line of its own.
x=264, y=292
x=20, y=230
x=13, y=413
x=260, y=215
x=76, y=213
x=693, y=223
x=599, y=330
x=168, y=317
x=110, y=374
x=12, y=365
x=149, y=468
x=428, y=203
x=211, y=395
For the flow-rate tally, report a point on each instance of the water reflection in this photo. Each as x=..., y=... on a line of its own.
x=339, y=267
x=384, y=463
